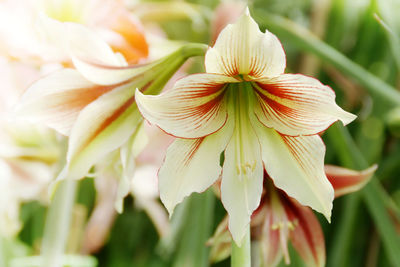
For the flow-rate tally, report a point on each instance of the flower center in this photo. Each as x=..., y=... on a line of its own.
x=244, y=135
x=285, y=224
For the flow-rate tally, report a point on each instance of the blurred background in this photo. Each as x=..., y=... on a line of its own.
x=351, y=45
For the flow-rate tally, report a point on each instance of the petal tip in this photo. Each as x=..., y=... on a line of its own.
x=328, y=217
x=237, y=233
x=371, y=170
x=138, y=93
x=118, y=205
x=247, y=12
x=328, y=211
x=169, y=206
x=139, y=98
x=237, y=239
x=347, y=117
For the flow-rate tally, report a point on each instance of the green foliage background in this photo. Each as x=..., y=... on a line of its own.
x=365, y=226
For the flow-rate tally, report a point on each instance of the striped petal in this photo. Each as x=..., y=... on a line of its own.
x=307, y=236
x=242, y=180
x=95, y=60
x=91, y=55
x=260, y=256
x=296, y=165
x=57, y=99
x=295, y=104
x=194, y=108
x=101, y=127
x=191, y=166
x=241, y=48
x=274, y=245
x=345, y=181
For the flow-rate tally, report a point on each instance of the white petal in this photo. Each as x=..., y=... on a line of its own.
x=57, y=99
x=86, y=44
x=52, y=34
x=101, y=127
x=241, y=48
x=295, y=104
x=95, y=60
x=296, y=165
x=242, y=180
x=194, y=108
x=191, y=166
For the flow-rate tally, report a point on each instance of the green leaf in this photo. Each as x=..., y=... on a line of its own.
x=378, y=202
x=192, y=250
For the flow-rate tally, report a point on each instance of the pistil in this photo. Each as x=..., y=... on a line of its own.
x=239, y=101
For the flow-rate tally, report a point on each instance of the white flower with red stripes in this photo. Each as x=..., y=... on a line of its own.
x=245, y=107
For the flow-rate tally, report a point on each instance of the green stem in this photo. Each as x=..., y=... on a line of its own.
x=57, y=224
x=193, y=49
x=165, y=75
x=241, y=256
x=304, y=39
x=172, y=63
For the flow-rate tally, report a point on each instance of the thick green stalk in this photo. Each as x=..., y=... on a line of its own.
x=158, y=84
x=58, y=223
x=241, y=256
x=193, y=49
x=373, y=194
x=304, y=39
x=173, y=63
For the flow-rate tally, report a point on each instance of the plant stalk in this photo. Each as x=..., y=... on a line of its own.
x=58, y=224
x=241, y=256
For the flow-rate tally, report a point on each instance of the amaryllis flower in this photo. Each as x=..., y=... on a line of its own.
x=94, y=104
x=245, y=106
x=121, y=30
x=280, y=219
